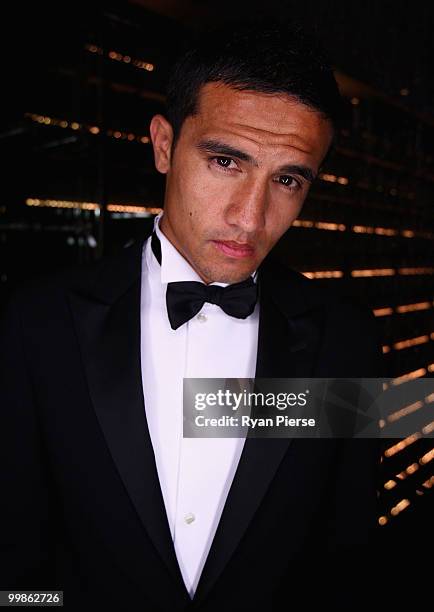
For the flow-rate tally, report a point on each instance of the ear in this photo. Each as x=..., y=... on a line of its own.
x=162, y=138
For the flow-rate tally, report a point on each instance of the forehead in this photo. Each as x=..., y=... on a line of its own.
x=265, y=119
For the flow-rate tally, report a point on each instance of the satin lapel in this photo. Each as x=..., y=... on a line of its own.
x=289, y=336
x=107, y=319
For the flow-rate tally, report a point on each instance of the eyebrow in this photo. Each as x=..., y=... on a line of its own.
x=220, y=148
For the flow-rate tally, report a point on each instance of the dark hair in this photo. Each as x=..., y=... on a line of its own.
x=273, y=58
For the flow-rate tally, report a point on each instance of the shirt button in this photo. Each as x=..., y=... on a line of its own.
x=202, y=318
x=189, y=518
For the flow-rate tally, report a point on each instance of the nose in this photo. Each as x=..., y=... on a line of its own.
x=248, y=205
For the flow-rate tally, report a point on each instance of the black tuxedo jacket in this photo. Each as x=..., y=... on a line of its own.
x=81, y=506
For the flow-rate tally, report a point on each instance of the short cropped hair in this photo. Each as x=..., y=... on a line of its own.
x=272, y=58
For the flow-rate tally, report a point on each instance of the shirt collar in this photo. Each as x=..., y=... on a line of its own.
x=174, y=267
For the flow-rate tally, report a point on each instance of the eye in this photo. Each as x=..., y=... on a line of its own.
x=226, y=163
x=289, y=181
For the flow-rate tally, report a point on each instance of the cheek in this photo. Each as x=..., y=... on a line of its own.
x=203, y=199
x=206, y=186
x=195, y=185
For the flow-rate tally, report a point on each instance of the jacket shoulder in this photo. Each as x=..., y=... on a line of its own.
x=350, y=339
x=294, y=286
x=100, y=279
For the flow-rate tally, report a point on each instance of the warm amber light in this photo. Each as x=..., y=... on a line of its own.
x=374, y=272
x=395, y=416
x=400, y=506
x=410, y=271
x=74, y=125
x=409, y=376
x=427, y=457
x=330, y=226
x=413, y=307
x=126, y=208
x=130, y=208
x=403, y=344
x=399, y=446
x=330, y=178
x=119, y=57
x=382, y=312
x=61, y=204
x=428, y=483
x=303, y=223
x=386, y=231
x=363, y=229
x=411, y=469
x=428, y=428
x=324, y=274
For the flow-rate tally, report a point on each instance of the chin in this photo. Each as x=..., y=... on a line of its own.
x=231, y=276
x=216, y=271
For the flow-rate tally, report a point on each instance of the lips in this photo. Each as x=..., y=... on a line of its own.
x=234, y=249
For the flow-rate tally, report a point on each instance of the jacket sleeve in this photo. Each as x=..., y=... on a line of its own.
x=350, y=558
x=27, y=531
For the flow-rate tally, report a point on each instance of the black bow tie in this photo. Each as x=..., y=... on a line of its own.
x=184, y=299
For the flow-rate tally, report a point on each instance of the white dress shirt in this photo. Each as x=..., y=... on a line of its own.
x=195, y=474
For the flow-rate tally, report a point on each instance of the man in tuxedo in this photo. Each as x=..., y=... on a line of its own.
x=102, y=496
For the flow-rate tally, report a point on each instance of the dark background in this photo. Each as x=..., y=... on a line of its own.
x=80, y=83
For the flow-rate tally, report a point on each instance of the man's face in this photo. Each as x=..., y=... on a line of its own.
x=237, y=177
